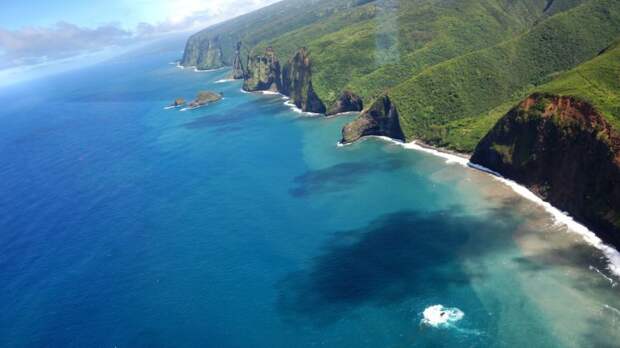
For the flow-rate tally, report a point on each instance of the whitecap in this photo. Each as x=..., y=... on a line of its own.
x=224, y=80
x=270, y=93
x=440, y=316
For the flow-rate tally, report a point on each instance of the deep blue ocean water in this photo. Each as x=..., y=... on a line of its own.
x=242, y=224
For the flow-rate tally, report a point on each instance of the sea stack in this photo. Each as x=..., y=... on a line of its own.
x=263, y=73
x=297, y=83
x=237, y=72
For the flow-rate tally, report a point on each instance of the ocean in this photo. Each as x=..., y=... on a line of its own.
x=244, y=224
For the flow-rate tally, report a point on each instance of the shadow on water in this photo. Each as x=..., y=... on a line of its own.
x=339, y=177
x=232, y=121
x=396, y=257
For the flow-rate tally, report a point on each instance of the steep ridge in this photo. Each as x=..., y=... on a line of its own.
x=297, y=83
x=220, y=40
x=390, y=37
x=563, y=143
x=471, y=86
x=237, y=71
x=564, y=150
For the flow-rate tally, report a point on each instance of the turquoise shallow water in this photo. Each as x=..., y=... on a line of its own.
x=242, y=224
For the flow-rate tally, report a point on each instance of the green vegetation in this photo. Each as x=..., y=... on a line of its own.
x=596, y=81
x=452, y=67
x=475, y=85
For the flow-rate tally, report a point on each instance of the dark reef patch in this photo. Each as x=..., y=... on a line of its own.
x=395, y=257
x=338, y=177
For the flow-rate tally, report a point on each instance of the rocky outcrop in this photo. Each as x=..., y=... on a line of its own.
x=263, y=73
x=293, y=79
x=565, y=151
x=237, y=71
x=297, y=83
x=178, y=102
x=203, y=54
x=205, y=98
x=381, y=118
x=347, y=102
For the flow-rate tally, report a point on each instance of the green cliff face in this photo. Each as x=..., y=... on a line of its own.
x=293, y=79
x=258, y=27
x=263, y=73
x=452, y=67
x=203, y=55
x=297, y=83
x=565, y=151
x=380, y=119
x=237, y=72
x=562, y=142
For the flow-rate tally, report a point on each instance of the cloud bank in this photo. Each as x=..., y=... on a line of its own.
x=35, y=46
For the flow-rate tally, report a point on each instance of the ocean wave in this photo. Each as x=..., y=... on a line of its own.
x=610, y=280
x=559, y=217
x=207, y=70
x=440, y=316
x=224, y=80
x=270, y=93
x=287, y=102
x=295, y=109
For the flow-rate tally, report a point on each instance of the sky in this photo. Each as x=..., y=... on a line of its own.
x=36, y=33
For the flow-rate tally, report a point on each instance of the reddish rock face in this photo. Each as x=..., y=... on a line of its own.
x=565, y=151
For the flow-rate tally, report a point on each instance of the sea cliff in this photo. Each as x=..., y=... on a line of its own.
x=380, y=119
x=293, y=79
x=564, y=150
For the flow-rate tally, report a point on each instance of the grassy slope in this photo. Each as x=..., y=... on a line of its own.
x=454, y=103
x=267, y=23
x=596, y=81
x=452, y=66
x=370, y=48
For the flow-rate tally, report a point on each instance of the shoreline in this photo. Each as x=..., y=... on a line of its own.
x=559, y=217
x=452, y=157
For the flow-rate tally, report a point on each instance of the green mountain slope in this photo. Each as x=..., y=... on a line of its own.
x=251, y=29
x=562, y=142
x=596, y=81
x=451, y=67
x=469, y=88
x=369, y=48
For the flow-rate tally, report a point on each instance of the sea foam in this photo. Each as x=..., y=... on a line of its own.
x=559, y=217
x=440, y=316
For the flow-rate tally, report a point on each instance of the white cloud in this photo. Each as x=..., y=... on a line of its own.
x=33, y=46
